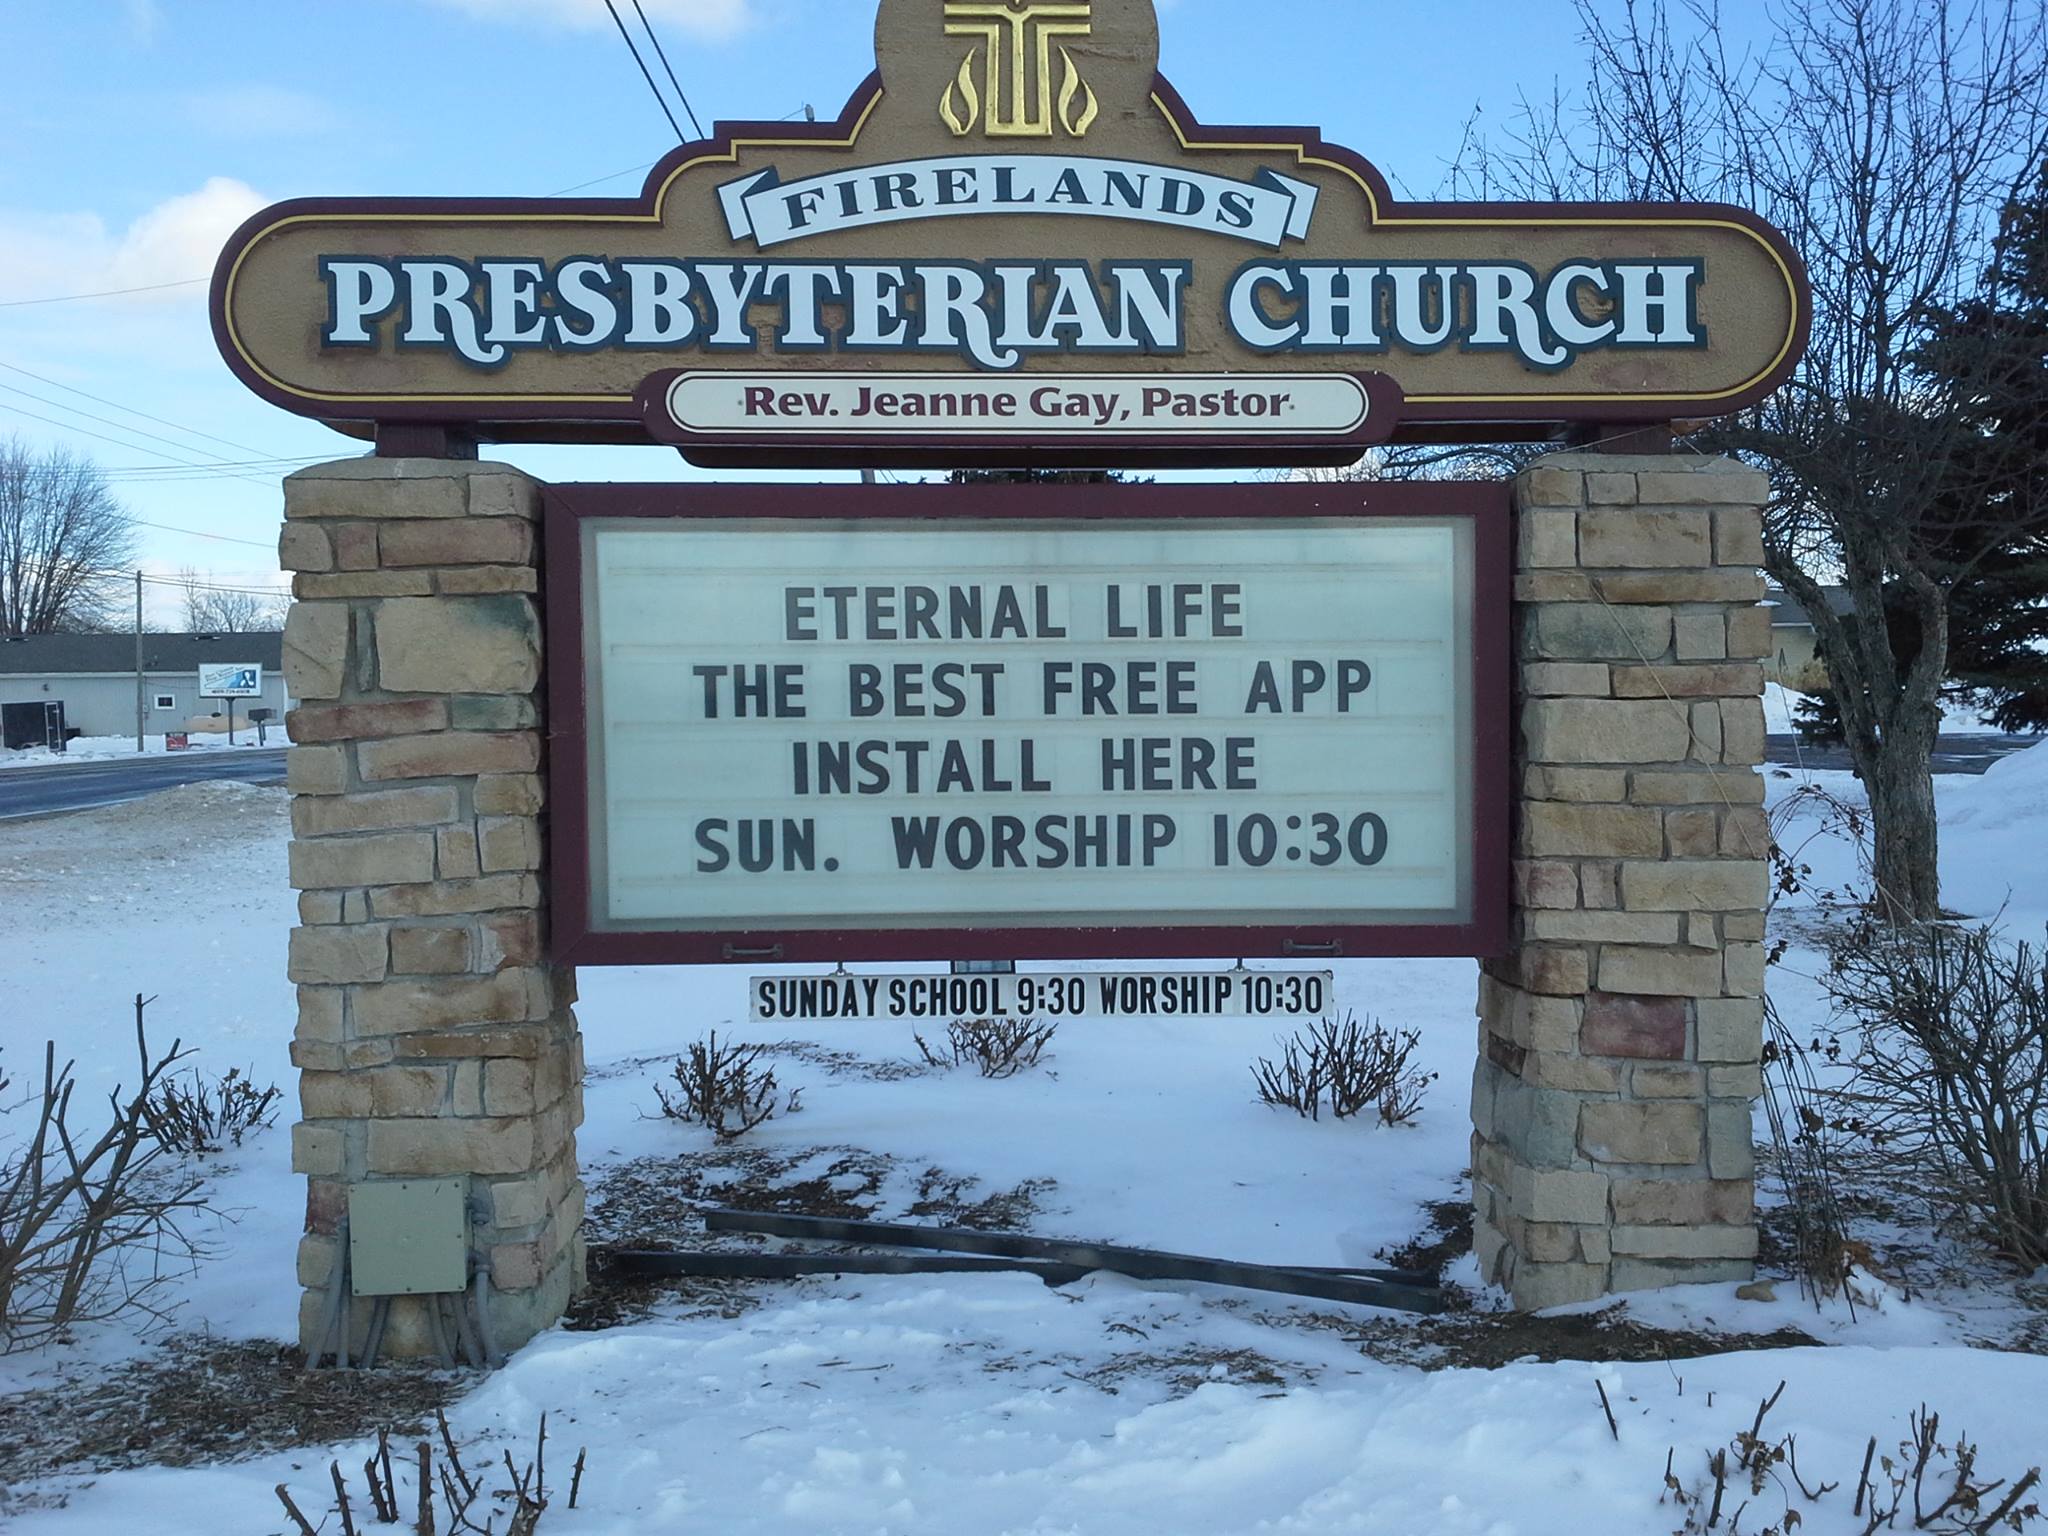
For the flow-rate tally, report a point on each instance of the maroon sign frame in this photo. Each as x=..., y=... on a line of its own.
x=576, y=942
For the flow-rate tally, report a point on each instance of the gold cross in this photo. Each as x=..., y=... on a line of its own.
x=1016, y=88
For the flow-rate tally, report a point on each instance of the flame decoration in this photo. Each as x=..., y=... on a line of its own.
x=1077, y=126
x=962, y=91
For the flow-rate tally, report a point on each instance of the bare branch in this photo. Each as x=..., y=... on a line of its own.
x=65, y=542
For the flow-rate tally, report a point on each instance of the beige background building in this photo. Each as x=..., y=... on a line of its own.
x=1794, y=661
x=94, y=676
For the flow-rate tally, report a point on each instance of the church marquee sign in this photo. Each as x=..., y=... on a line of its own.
x=943, y=722
x=1016, y=241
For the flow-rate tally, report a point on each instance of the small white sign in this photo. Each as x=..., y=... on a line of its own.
x=1047, y=995
x=886, y=405
x=231, y=680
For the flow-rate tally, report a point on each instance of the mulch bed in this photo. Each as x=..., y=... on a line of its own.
x=198, y=1400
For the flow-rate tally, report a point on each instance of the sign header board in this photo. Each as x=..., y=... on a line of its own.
x=928, y=723
x=1015, y=230
x=231, y=680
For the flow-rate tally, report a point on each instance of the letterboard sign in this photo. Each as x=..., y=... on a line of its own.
x=931, y=723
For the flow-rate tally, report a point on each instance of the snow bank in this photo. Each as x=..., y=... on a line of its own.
x=1993, y=830
x=991, y=1405
x=2012, y=797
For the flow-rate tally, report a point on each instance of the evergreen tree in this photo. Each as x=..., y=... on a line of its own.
x=1992, y=352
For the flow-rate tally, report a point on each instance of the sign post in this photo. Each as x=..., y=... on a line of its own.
x=1003, y=724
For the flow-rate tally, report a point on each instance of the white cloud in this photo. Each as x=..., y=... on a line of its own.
x=183, y=236
x=259, y=112
x=699, y=18
x=45, y=255
x=144, y=18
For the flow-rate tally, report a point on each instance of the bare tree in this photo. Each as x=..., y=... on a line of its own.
x=213, y=609
x=1885, y=137
x=64, y=542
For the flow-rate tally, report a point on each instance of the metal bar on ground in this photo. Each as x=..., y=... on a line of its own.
x=788, y=1266
x=1015, y=1245
x=1402, y=1292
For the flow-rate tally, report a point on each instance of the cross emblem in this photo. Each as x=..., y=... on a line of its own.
x=1014, y=98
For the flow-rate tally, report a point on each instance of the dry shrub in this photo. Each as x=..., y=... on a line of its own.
x=725, y=1089
x=90, y=1228
x=996, y=1047
x=199, y=1117
x=1802, y=1098
x=1808, y=1133
x=1347, y=1068
x=466, y=1494
x=1951, y=1068
x=1925, y=1486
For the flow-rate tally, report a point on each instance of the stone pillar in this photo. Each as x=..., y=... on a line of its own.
x=1620, y=1039
x=434, y=1040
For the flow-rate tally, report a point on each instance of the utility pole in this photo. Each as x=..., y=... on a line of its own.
x=141, y=712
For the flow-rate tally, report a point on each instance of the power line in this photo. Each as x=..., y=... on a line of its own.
x=108, y=573
x=137, y=521
x=218, y=538
x=66, y=426
x=161, y=474
x=129, y=574
x=172, y=469
x=195, y=477
x=601, y=180
x=119, y=426
x=662, y=54
x=225, y=442
x=104, y=293
x=645, y=73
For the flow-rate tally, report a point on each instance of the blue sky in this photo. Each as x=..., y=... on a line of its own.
x=135, y=134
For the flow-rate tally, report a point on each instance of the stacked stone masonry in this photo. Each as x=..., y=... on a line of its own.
x=433, y=1039
x=1620, y=1039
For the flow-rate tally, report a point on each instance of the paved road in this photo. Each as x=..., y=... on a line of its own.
x=83, y=786
x=1953, y=754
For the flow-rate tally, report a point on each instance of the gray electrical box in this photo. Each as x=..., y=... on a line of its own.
x=409, y=1238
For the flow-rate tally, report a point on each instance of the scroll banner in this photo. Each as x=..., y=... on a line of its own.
x=1269, y=210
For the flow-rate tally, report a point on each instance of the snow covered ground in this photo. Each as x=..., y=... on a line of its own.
x=976, y=1404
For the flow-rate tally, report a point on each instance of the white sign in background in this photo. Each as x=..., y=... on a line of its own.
x=1167, y=723
x=231, y=680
